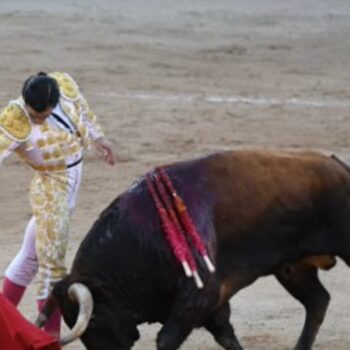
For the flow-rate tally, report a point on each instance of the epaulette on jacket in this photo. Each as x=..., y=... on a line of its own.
x=68, y=87
x=15, y=123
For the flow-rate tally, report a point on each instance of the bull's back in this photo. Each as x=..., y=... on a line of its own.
x=228, y=192
x=248, y=185
x=233, y=197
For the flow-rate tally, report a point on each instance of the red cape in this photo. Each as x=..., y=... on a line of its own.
x=16, y=333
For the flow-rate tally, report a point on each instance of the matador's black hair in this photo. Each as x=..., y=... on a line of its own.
x=40, y=92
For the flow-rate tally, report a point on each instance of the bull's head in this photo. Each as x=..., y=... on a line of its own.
x=77, y=293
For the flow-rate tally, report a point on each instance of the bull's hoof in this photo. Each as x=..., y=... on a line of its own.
x=234, y=346
x=302, y=347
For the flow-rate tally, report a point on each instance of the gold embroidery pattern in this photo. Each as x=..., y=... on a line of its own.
x=14, y=123
x=49, y=200
x=55, y=146
x=68, y=87
x=75, y=114
x=48, y=168
x=44, y=127
x=76, y=109
x=41, y=143
x=91, y=116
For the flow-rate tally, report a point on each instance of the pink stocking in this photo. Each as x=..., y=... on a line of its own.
x=12, y=291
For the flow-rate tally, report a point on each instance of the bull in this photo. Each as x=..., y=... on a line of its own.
x=258, y=212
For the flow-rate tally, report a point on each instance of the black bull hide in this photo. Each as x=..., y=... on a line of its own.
x=258, y=212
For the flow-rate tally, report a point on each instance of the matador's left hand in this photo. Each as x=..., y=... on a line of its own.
x=104, y=146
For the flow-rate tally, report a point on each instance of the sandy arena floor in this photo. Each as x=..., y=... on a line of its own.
x=172, y=80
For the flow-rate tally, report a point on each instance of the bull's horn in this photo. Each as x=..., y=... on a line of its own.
x=79, y=293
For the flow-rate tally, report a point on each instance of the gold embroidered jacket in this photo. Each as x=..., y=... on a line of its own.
x=46, y=147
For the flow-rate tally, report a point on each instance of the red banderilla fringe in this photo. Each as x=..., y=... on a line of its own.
x=181, y=235
x=186, y=219
x=170, y=230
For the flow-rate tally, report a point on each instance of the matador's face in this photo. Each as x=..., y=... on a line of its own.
x=38, y=117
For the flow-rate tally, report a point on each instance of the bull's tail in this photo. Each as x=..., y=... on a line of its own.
x=343, y=163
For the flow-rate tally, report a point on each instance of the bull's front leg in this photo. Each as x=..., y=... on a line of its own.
x=222, y=330
x=172, y=334
x=187, y=311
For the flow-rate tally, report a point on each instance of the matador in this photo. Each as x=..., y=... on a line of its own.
x=48, y=127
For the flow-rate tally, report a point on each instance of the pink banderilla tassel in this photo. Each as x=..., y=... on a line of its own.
x=186, y=220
